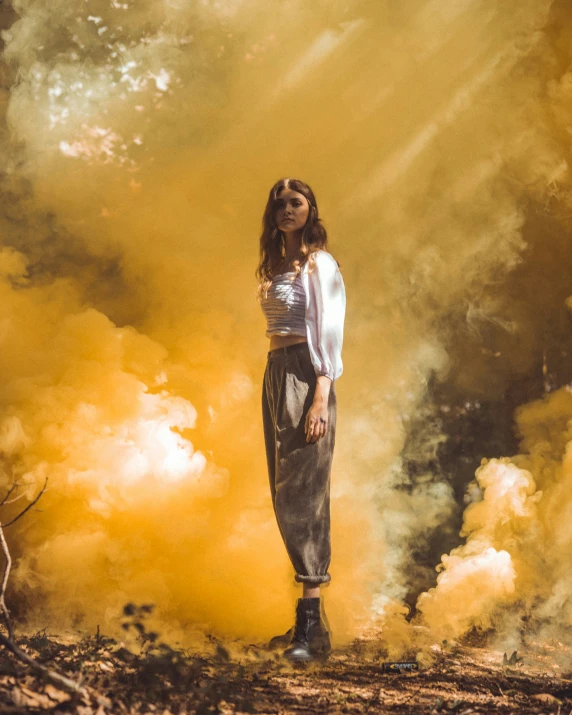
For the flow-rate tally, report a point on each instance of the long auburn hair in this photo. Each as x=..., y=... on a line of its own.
x=273, y=241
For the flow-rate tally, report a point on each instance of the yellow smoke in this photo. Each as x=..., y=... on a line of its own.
x=518, y=536
x=140, y=144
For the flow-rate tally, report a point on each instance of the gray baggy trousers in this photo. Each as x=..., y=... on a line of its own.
x=299, y=471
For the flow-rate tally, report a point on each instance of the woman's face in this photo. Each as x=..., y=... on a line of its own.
x=292, y=211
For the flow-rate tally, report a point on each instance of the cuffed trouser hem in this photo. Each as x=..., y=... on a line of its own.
x=300, y=578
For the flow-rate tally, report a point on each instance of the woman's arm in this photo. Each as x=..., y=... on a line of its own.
x=317, y=415
x=325, y=315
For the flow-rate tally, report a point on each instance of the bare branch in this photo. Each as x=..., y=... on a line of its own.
x=3, y=606
x=15, y=499
x=13, y=488
x=30, y=505
x=62, y=681
x=5, y=550
x=9, y=493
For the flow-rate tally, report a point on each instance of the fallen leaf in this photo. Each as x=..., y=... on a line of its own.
x=17, y=697
x=547, y=699
x=103, y=701
x=24, y=697
x=57, y=695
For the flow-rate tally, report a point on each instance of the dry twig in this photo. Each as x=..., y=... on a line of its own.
x=62, y=681
x=6, y=551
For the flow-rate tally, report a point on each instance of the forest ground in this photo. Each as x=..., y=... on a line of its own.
x=460, y=679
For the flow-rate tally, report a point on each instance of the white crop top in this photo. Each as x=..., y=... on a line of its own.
x=321, y=293
x=285, y=305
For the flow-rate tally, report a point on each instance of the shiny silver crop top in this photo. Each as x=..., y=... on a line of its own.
x=285, y=305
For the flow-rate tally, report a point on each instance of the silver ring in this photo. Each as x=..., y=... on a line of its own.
x=322, y=420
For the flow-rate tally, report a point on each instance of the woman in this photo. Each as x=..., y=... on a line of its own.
x=302, y=294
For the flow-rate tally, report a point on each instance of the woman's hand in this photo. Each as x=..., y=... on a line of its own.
x=316, y=425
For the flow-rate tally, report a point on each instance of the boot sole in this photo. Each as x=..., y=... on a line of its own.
x=312, y=658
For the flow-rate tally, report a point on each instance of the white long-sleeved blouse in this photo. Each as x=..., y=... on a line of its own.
x=325, y=306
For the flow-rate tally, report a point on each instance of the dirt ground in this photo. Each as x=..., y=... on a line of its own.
x=460, y=679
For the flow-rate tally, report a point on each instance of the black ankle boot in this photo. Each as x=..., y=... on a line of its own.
x=311, y=639
x=281, y=641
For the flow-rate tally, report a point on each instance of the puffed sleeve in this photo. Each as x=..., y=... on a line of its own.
x=325, y=313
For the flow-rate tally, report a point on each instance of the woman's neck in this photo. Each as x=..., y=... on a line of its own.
x=286, y=265
x=293, y=242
